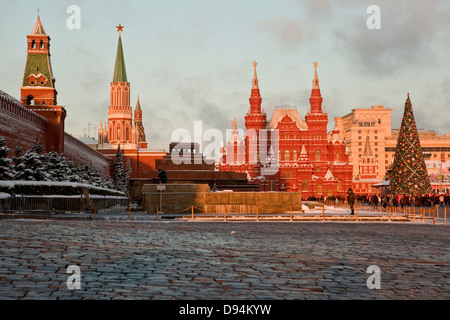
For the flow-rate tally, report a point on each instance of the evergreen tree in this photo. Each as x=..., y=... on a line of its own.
x=120, y=180
x=128, y=170
x=56, y=166
x=409, y=174
x=6, y=169
x=30, y=166
x=34, y=166
x=18, y=152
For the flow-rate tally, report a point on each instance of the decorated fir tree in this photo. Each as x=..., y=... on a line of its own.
x=409, y=174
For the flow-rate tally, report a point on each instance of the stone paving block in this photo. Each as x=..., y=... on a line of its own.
x=262, y=260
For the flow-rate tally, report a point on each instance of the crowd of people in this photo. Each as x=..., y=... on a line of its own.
x=425, y=200
x=374, y=200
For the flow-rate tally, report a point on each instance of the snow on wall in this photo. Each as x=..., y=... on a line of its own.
x=18, y=124
x=84, y=155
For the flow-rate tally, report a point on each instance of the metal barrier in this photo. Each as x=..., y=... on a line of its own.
x=259, y=213
x=56, y=204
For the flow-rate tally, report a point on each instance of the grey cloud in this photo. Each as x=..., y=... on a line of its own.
x=201, y=102
x=285, y=30
x=409, y=35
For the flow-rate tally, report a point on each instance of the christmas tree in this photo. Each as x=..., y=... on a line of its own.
x=409, y=174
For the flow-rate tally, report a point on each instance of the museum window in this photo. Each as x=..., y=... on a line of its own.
x=317, y=155
x=287, y=155
x=319, y=190
x=305, y=185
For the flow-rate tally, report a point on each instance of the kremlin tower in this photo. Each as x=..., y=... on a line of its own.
x=122, y=132
x=120, y=112
x=38, y=91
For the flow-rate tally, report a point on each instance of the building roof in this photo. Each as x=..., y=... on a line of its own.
x=38, y=63
x=138, y=104
x=38, y=27
x=281, y=112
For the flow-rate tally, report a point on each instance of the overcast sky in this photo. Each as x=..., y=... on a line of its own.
x=192, y=60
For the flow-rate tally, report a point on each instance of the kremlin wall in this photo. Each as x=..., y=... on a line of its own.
x=308, y=159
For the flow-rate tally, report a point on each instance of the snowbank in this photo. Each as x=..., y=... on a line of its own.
x=50, y=187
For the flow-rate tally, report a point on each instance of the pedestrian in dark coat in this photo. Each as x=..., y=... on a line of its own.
x=351, y=198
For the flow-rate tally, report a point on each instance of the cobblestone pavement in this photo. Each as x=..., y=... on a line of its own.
x=222, y=260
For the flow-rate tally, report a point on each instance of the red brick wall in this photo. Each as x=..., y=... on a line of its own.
x=82, y=154
x=18, y=124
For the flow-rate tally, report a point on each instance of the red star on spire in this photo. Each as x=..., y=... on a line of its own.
x=120, y=28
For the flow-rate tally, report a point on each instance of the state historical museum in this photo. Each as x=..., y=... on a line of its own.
x=288, y=153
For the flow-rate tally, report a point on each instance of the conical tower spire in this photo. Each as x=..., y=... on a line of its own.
x=120, y=73
x=255, y=77
x=38, y=27
x=367, y=150
x=255, y=97
x=316, y=78
x=138, y=104
x=316, y=98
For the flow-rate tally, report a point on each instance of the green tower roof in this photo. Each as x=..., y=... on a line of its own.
x=120, y=73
